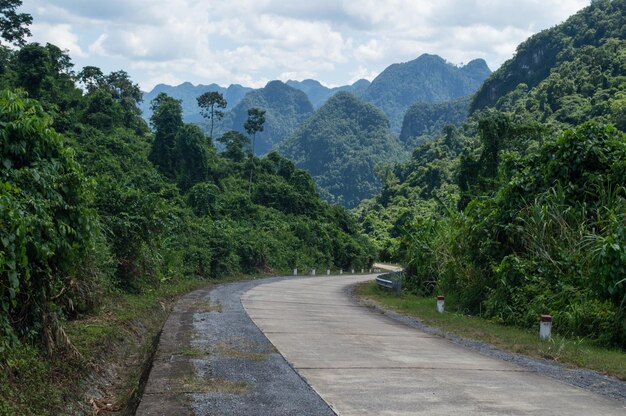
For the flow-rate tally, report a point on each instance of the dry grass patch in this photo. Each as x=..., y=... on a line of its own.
x=197, y=384
x=241, y=352
x=204, y=305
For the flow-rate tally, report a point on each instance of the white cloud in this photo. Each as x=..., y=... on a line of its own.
x=252, y=41
x=372, y=51
x=362, y=73
x=60, y=35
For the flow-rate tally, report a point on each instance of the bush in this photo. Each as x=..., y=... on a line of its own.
x=46, y=227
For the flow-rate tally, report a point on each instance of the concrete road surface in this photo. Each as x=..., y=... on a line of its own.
x=362, y=363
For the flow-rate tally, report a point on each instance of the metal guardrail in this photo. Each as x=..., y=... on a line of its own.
x=391, y=281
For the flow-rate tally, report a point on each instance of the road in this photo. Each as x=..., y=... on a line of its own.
x=363, y=363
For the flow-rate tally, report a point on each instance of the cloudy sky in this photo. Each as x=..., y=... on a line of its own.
x=253, y=41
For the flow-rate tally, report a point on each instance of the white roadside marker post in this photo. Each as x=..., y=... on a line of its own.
x=440, y=304
x=295, y=272
x=327, y=272
x=370, y=271
x=352, y=271
x=340, y=271
x=545, y=327
x=313, y=272
x=361, y=271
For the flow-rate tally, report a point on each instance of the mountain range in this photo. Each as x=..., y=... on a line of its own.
x=429, y=79
x=341, y=134
x=318, y=93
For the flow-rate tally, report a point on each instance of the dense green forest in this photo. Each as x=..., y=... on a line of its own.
x=424, y=121
x=341, y=145
x=286, y=109
x=537, y=57
x=522, y=210
x=94, y=201
x=428, y=79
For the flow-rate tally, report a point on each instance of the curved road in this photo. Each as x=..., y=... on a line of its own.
x=362, y=363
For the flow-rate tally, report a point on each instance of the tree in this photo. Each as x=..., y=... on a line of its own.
x=211, y=103
x=32, y=65
x=13, y=25
x=234, y=142
x=190, y=156
x=166, y=120
x=92, y=78
x=254, y=124
x=123, y=89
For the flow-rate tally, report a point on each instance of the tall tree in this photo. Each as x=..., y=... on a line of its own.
x=211, y=104
x=91, y=78
x=254, y=125
x=166, y=120
x=191, y=156
x=13, y=25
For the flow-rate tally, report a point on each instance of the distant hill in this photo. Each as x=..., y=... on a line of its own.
x=429, y=79
x=340, y=145
x=286, y=109
x=187, y=92
x=425, y=120
x=318, y=93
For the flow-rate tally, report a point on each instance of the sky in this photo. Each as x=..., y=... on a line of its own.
x=251, y=42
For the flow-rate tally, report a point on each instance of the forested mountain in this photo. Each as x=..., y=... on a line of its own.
x=286, y=109
x=428, y=78
x=540, y=54
x=424, y=121
x=341, y=145
x=188, y=94
x=521, y=211
x=318, y=93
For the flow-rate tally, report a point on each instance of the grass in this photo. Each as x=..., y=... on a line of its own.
x=577, y=352
x=206, y=306
x=115, y=345
x=198, y=384
x=193, y=352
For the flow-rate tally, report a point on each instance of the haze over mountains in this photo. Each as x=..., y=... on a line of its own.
x=286, y=109
x=318, y=93
x=360, y=128
x=428, y=79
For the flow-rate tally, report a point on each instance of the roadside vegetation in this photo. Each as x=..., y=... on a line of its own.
x=522, y=210
x=111, y=348
x=104, y=219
